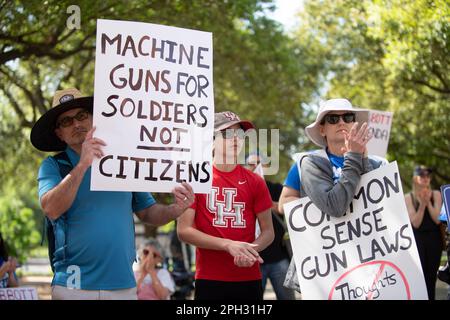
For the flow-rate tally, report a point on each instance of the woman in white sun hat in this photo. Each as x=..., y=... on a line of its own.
x=329, y=175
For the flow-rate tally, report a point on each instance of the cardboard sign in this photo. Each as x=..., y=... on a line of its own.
x=22, y=293
x=369, y=253
x=380, y=128
x=445, y=191
x=153, y=106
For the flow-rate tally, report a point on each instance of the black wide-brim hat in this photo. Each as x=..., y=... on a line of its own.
x=43, y=136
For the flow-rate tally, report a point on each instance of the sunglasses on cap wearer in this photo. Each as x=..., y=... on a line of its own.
x=145, y=252
x=332, y=118
x=424, y=174
x=68, y=120
x=231, y=133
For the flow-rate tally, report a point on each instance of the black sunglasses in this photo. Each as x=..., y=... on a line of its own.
x=145, y=252
x=68, y=121
x=332, y=118
x=425, y=174
x=231, y=133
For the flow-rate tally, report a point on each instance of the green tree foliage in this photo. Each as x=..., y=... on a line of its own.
x=391, y=55
x=17, y=227
x=259, y=72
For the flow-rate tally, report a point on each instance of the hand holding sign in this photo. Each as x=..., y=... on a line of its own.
x=184, y=196
x=91, y=148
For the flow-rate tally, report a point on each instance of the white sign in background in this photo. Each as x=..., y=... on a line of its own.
x=153, y=106
x=21, y=293
x=370, y=253
x=380, y=123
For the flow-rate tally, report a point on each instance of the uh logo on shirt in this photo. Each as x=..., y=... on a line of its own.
x=227, y=210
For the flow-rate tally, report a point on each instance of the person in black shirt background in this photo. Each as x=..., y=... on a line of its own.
x=278, y=254
x=424, y=207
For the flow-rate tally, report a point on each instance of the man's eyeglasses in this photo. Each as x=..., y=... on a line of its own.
x=68, y=120
x=332, y=118
x=231, y=133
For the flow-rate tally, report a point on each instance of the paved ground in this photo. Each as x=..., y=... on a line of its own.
x=42, y=284
x=40, y=270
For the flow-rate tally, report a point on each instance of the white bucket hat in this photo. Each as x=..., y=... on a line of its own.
x=313, y=131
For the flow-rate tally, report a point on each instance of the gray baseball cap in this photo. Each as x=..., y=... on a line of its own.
x=224, y=120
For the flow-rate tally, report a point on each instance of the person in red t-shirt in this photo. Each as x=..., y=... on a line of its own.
x=221, y=224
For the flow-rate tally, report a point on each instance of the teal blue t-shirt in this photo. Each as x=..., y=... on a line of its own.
x=100, y=241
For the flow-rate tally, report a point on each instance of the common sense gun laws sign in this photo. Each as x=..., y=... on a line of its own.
x=369, y=253
x=153, y=106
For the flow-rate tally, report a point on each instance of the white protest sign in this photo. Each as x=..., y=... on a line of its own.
x=369, y=253
x=21, y=293
x=153, y=106
x=380, y=128
x=259, y=170
x=445, y=211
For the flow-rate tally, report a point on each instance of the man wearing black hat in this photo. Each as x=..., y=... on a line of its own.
x=93, y=231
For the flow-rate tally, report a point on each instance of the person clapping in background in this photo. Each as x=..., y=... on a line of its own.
x=8, y=265
x=424, y=206
x=153, y=282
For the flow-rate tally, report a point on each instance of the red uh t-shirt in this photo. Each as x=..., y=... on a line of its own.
x=229, y=211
